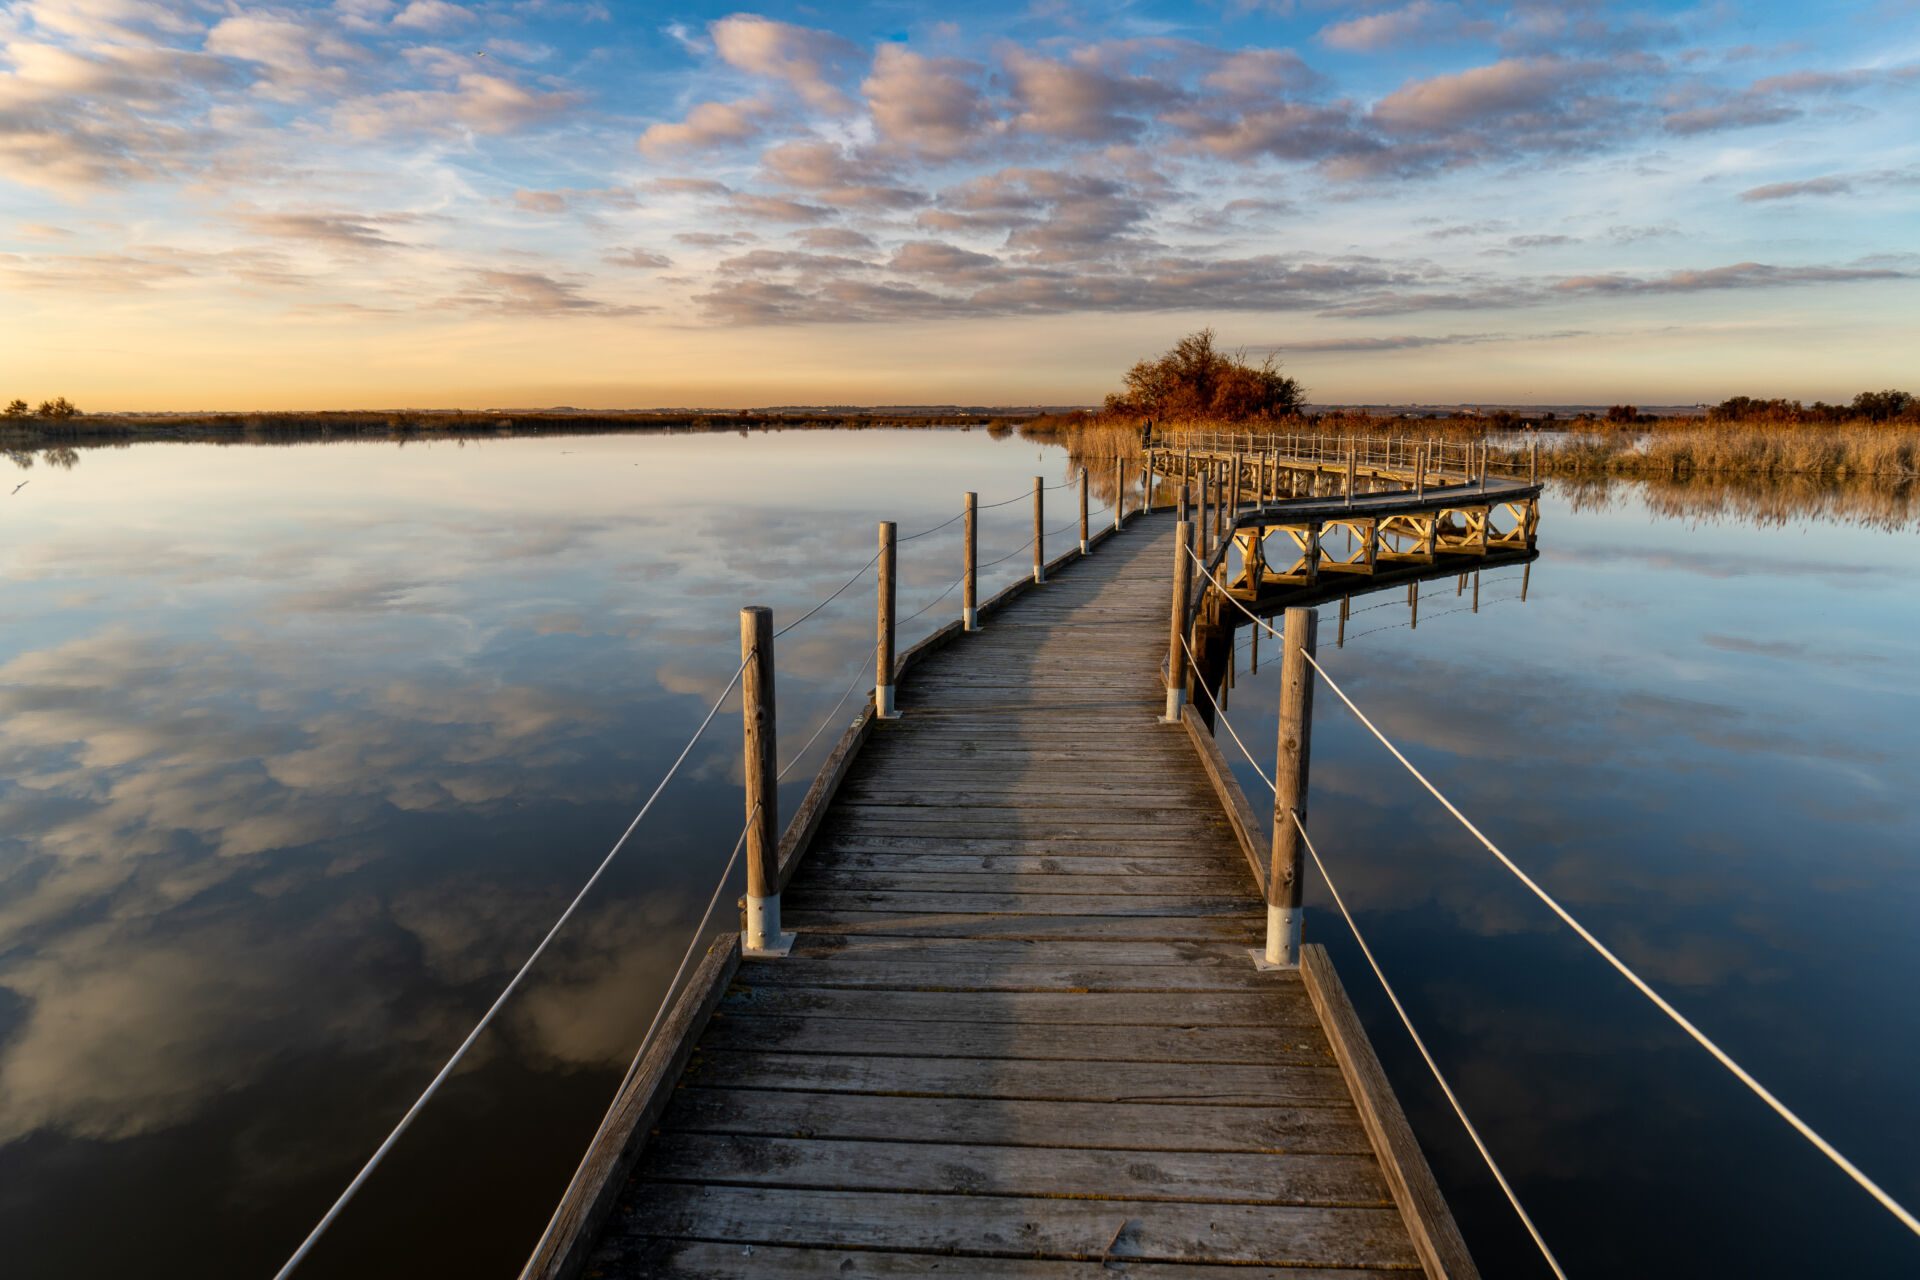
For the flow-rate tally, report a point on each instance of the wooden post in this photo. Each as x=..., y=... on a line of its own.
x=1350, y=473
x=1176, y=647
x=1340, y=637
x=762, y=926
x=970, y=591
x=1083, y=511
x=1120, y=488
x=1206, y=520
x=1039, y=529
x=1533, y=462
x=1413, y=604
x=1186, y=499
x=883, y=629
x=1285, y=874
x=1233, y=487
x=1420, y=472
x=1526, y=576
x=1485, y=453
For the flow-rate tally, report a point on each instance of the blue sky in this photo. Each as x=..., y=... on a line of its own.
x=380, y=202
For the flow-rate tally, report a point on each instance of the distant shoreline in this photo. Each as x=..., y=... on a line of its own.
x=404, y=425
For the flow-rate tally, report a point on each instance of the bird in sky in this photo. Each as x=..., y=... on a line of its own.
x=17, y=488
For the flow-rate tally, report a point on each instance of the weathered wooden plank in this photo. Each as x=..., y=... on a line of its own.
x=880, y=880
x=1041, y=975
x=588, y=1202
x=1032, y=1079
x=1436, y=1239
x=831, y=944
x=662, y=1259
x=1252, y=1046
x=1029, y=1226
x=1044, y=846
x=936, y=924
x=1280, y=1007
x=1069, y=904
x=1330, y=1129
x=837, y=864
x=942, y=1168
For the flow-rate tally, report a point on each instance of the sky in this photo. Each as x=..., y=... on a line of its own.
x=515, y=203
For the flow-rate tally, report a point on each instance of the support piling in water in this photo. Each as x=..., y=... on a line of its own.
x=1083, y=510
x=1285, y=878
x=758, y=732
x=1176, y=640
x=970, y=567
x=883, y=631
x=1039, y=529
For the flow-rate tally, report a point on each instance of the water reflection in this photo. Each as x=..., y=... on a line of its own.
x=305, y=748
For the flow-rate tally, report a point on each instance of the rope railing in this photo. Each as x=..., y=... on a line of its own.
x=513, y=984
x=659, y=1014
x=1626, y=971
x=1453, y=1099
x=837, y=593
x=862, y=570
x=1220, y=717
x=858, y=671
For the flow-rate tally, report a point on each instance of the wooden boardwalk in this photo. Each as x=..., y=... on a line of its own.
x=1020, y=1034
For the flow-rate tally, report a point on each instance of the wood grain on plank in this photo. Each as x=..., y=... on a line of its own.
x=1331, y=1129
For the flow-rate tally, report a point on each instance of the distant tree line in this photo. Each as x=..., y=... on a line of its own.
x=59, y=408
x=1874, y=406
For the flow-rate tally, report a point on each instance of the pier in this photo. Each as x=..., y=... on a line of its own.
x=1033, y=1017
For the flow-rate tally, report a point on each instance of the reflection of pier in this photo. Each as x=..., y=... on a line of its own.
x=1284, y=522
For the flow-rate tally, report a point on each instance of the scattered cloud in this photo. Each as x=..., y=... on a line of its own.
x=810, y=61
x=708, y=125
x=1423, y=21
x=1834, y=184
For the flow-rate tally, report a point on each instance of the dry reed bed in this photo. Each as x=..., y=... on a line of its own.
x=1677, y=447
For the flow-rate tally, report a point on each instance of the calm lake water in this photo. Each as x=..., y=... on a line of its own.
x=305, y=747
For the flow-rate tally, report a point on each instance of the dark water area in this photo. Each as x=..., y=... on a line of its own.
x=306, y=747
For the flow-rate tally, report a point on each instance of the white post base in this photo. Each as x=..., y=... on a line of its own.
x=1083, y=546
x=763, y=940
x=1176, y=699
x=1039, y=575
x=1283, y=940
x=969, y=619
x=883, y=702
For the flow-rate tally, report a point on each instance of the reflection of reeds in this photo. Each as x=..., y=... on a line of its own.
x=1765, y=503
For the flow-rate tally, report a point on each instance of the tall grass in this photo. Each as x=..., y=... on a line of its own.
x=1674, y=447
